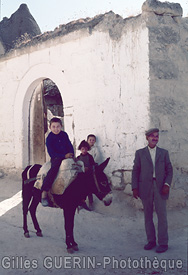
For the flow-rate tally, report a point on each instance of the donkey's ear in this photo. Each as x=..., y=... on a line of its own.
x=103, y=165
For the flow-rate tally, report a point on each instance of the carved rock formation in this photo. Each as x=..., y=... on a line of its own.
x=19, y=24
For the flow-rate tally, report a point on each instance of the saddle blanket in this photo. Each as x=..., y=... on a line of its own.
x=68, y=172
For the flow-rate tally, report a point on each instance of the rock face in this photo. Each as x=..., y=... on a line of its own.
x=20, y=23
x=173, y=9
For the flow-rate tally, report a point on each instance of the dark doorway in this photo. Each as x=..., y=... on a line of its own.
x=45, y=103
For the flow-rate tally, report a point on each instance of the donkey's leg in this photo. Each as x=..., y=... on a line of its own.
x=27, y=194
x=32, y=210
x=69, y=213
x=26, y=198
x=25, y=204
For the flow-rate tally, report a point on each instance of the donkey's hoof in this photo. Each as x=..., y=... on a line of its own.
x=75, y=247
x=39, y=234
x=26, y=234
x=70, y=250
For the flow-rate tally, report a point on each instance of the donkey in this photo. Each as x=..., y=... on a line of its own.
x=84, y=184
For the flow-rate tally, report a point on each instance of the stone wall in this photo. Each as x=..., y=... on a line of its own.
x=169, y=82
x=168, y=60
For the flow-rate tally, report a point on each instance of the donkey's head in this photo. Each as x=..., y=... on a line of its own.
x=102, y=186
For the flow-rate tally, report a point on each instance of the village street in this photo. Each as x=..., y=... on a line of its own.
x=110, y=240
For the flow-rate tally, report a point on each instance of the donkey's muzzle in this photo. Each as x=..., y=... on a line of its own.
x=108, y=199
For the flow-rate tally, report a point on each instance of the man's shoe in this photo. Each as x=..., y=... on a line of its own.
x=161, y=248
x=150, y=245
x=44, y=202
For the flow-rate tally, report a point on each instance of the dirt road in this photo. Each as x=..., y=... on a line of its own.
x=110, y=240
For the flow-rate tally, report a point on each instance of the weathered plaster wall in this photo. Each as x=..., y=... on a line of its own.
x=99, y=76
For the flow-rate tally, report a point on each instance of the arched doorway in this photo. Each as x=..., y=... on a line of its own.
x=45, y=103
x=27, y=85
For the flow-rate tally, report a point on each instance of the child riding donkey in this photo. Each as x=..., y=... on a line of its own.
x=59, y=148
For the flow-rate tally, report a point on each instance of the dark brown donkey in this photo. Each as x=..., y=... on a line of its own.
x=95, y=183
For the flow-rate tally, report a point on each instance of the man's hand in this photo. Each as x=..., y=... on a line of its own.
x=69, y=155
x=135, y=193
x=165, y=190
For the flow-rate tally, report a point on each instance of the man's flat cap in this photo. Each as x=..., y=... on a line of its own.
x=151, y=131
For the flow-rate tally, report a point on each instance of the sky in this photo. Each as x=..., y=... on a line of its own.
x=49, y=14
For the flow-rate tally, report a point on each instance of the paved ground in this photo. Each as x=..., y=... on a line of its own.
x=110, y=241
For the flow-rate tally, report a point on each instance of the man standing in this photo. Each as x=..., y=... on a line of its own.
x=151, y=179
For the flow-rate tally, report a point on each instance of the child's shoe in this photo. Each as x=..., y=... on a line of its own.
x=44, y=202
x=84, y=205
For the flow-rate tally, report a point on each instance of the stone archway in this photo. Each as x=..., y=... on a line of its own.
x=27, y=85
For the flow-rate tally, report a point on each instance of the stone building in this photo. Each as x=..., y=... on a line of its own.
x=116, y=78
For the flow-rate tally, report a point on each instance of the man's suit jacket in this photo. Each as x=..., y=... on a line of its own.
x=142, y=174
